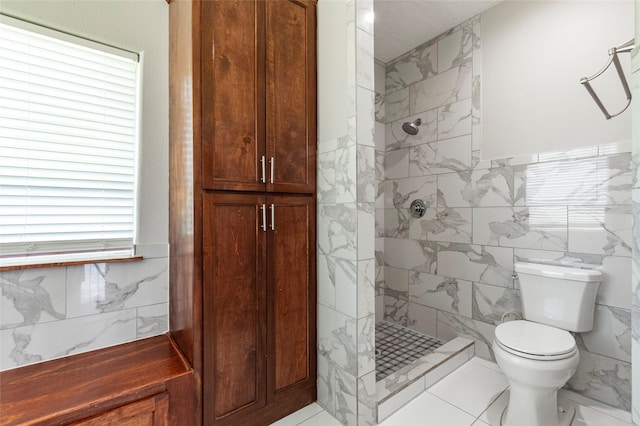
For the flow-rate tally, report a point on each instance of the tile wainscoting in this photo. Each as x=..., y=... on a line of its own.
x=49, y=313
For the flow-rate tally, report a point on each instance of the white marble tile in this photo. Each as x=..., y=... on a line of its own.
x=397, y=138
x=490, y=265
x=451, y=326
x=346, y=401
x=380, y=75
x=490, y=302
x=557, y=183
x=107, y=287
x=364, y=61
x=321, y=419
x=379, y=308
x=31, y=296
x=346, y=174
x=346, y=287
x=422, y=319
x=419, y=64
x=365, y=116
x=603, y=379
x=479, y=188
x=455, y=119
x=523, y=227
x=299, y=416
x=448, y=225
x=396, y=164
x=400, y=399
x=410, y=254
x=338, y=225
x=611, y=334
x=366, y=345
x=367, y=404
x=326, y=178
x=399, y=193
x=152, y=320
x=446, y=368
x=444, y=88
x=476, y=162
x=515, y=161
x=455, y=49
x=397, y=280
x=327, y=281
x=428, y=406
x=446, y=156
x=325, y=380
x=396, y=105
x=366, y=287
x=396, y=310
x=397, y=223
x=366, y=231
x=29, y=344
x=367, y=189
x=600, y=229
x=443, y=293
x=337, y=340
x=380, y=136
x=614, y=179
x=472, y=388
x=493, y=413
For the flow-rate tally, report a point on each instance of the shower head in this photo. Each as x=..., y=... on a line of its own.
x=411, y=127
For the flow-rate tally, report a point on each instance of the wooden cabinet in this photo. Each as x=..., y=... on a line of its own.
x=147, y=412
x=242, y=204
x=258, y=95
x=259, y=319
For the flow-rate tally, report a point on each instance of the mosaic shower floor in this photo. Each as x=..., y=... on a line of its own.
x=398, y=346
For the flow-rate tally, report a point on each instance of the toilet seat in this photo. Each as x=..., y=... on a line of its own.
x=535, y=341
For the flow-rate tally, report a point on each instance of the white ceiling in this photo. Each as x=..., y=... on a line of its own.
x=401, y=25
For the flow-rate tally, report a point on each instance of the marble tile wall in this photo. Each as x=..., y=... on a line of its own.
x=635, y=286
x=347, y=193
x=449, y=273
x=48, y=313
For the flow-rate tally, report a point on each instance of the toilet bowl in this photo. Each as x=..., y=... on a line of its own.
x=537, y=360
x=538, y=355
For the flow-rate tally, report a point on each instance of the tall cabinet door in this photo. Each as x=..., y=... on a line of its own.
x=292, y=296
x=234, y=313
x=291, y=95
x=233, y=105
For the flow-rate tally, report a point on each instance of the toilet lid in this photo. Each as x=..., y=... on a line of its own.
x=535, y=339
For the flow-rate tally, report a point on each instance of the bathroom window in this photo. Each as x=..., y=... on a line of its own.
x=69, y=125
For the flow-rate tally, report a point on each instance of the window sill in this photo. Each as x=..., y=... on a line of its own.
x=61, y=263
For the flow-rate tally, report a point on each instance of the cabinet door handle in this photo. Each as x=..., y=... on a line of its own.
x=272, y=161
x=263, y=162
x=263, y=225
x=273, y=217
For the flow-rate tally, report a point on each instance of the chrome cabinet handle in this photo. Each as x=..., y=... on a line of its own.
x=263, y=161
x=272, y=161
x=263, y=209
x=273, y=217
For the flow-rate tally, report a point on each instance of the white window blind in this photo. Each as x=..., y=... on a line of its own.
x=68, y=139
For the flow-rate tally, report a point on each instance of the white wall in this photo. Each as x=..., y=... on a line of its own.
x=533, y=56
x=139, y=26
x=53, y=312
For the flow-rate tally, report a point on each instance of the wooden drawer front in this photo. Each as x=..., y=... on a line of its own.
x=146, y=412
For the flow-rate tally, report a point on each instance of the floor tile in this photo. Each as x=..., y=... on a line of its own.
x=586, y=416
x=299, y=416
x=321, y=419
x=480, y=423
x=491, y=415
x=487, y=364
x=471, y=387
x=427, y=406
x=583, y=400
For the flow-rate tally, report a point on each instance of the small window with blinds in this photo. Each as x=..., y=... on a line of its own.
x=68, y=144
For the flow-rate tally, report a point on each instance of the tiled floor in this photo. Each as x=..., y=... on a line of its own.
x=474, y=394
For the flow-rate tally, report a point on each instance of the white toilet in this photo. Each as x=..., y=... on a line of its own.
x=538, y=355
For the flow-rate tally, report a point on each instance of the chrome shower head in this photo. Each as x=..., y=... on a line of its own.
x=411, y=127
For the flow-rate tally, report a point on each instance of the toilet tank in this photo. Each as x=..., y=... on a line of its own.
x=558, y=296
